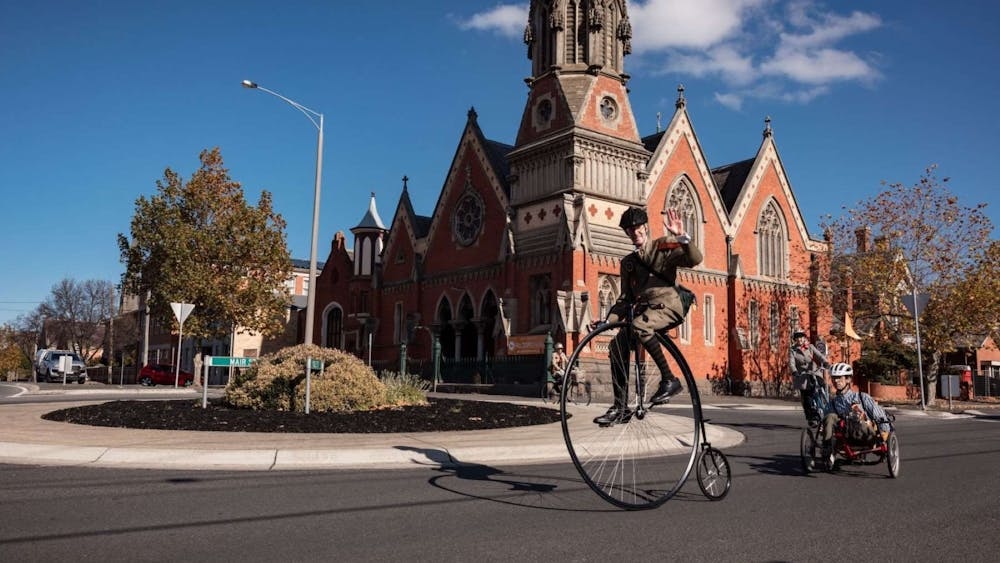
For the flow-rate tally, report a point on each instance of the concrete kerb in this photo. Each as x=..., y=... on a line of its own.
x=29, y=439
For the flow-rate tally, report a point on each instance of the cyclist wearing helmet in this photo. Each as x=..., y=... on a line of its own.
x=806, y=363
x=859, y=409
x=649, y=273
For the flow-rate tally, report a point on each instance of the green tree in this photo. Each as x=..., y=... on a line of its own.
x=923, y=240
x=200, y=242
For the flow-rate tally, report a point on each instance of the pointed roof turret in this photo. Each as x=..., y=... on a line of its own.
x=371, y=220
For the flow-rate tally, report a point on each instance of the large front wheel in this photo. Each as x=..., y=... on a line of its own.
x=643, y=456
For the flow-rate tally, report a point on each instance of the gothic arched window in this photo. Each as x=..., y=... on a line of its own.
x=607, y=294
x=771, y=248
x=682, y=197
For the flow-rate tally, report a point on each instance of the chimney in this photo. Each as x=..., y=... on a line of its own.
x=864, y=235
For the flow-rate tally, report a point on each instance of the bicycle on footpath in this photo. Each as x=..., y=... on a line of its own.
x=644, y=460
x=579, y=388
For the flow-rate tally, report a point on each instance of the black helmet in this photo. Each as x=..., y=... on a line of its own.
x=633, y=217
x=798, y=334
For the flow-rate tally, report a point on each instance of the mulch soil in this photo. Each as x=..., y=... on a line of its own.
x=438, y=415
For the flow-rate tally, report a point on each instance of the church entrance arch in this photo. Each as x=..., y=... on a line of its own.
x=488, y=313
x=445, y=330
x=468, y=336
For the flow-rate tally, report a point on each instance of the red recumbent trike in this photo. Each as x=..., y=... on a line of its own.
x=845, y=450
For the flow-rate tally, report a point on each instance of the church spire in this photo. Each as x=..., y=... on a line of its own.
x=583, y=36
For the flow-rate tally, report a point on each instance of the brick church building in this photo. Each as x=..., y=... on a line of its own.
x=523, y=241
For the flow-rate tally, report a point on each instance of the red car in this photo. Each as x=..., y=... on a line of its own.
x=163, y=374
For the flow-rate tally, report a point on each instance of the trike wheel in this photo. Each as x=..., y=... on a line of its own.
x=807, y=451
x=640, y=459
x=892, y=455
x=714, y=476
x=830, y=456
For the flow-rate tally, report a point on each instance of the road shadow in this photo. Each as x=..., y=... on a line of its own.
x=485, y=482
x=778, y=465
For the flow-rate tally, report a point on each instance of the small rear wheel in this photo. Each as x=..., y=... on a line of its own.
x=807, y=451
x=892, y=455
x=714, y=476
x=830, y=456
x=146, y=381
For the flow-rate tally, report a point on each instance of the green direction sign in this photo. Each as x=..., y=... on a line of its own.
x=229, y=361
x=316, y=365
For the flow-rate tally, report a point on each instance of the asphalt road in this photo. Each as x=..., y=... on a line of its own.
x=942, y=508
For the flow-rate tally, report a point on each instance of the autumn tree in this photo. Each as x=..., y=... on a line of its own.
x=968, y=308
x=200, y=242
x=12, y=358
x=905, y=239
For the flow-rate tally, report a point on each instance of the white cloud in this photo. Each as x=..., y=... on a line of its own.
x=819, y=66
x=506, y=19
x=665, y=24
x=730, y=100
x=724, y=61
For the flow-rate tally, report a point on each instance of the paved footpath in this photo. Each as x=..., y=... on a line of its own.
x=28, y=439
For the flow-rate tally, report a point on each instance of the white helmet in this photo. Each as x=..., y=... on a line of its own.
x=841, y=370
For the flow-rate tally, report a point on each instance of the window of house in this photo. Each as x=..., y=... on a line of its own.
x=774, y=325
x=682, y=198
x=334, y=328
x=771, y=248
x=541, y=299
x=708, y=307
x=684, y=330
x=607, y=294
x=753, y=322
x=397, y=323
x=794, y=323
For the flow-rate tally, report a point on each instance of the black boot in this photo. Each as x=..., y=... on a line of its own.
x=669, y=385
x=617, y=414
x=619, y=411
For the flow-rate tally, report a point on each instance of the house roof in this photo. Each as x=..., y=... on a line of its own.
x=730, y=179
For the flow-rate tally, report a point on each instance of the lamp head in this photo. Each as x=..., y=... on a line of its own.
x=249, y=84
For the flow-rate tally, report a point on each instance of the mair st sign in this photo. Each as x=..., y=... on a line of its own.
x=229, y=361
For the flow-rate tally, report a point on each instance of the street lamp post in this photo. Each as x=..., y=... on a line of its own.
x=316, y=119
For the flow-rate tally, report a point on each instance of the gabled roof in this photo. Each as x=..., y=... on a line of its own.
x=497, y=153
x=730, y=180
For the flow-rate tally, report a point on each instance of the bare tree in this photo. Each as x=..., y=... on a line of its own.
x=73, y=316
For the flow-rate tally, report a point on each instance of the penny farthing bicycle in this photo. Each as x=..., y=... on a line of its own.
x=643, y=460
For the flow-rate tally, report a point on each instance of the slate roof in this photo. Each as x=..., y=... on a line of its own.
x=730, y=180
x=304, y=264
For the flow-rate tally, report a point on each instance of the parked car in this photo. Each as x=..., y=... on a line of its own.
x=50, y=367
x=163, y=374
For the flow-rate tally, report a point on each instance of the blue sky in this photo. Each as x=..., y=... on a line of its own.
x=98, y=98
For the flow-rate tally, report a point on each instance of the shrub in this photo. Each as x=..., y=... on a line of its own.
x=278, y=382
x=404, y=389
